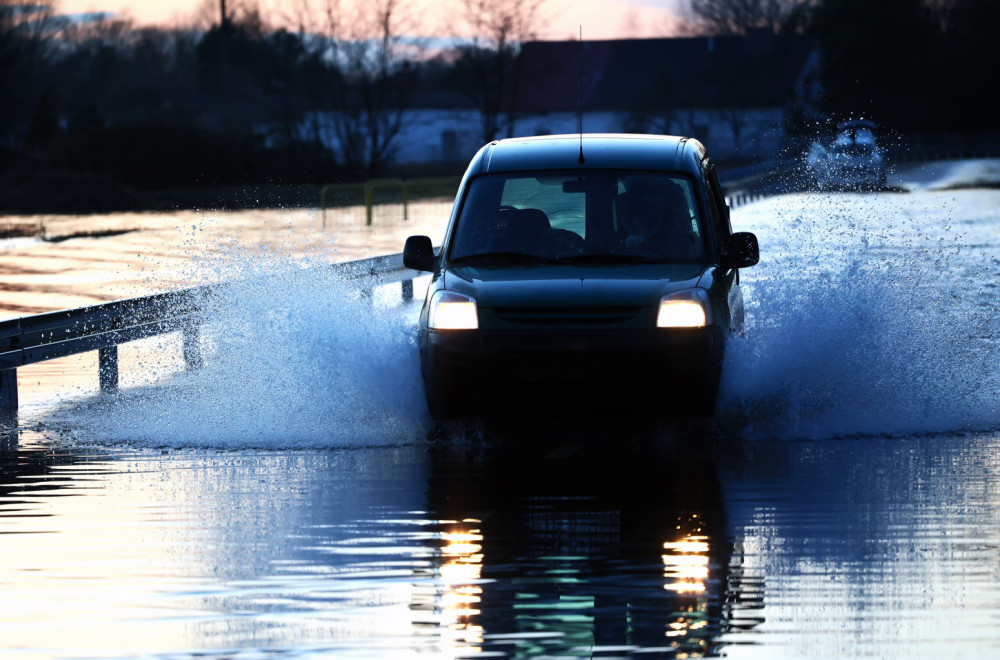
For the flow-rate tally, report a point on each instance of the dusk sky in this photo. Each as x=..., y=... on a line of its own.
x=600, y=19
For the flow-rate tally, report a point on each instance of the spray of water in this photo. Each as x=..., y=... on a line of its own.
x=868, y=315
x=295, y=357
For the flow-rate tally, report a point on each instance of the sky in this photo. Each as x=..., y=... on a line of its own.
x=599, y=19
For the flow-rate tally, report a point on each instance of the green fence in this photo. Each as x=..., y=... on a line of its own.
x=385, y=192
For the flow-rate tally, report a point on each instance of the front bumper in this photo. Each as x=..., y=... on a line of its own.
x=613, y=366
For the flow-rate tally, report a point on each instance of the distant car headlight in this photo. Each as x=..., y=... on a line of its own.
x=684, y=309
x=452, y=311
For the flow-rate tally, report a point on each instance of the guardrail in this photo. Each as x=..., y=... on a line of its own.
x=31, y=339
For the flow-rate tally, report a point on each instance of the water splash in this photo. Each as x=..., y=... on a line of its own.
x=868, y=315
x=295, y=357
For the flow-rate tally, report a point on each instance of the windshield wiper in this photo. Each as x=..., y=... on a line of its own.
x=506, y=257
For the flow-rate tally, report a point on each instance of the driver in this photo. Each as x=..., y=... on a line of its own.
x=653, y=217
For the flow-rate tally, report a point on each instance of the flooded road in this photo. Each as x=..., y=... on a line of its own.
x=605, y=546
x=85, y=260
x=293, y=499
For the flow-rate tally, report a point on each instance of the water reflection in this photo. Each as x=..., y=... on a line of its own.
x=686, y=564
x=183, y=552
x=8, y=439
x=460, y=573
x=588, y=544
x=579, y=550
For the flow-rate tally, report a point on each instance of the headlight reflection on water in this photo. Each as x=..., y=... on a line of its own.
x=461, y=568
x=685, y=565
x=686, y=573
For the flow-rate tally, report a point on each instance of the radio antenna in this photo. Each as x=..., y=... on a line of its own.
x=580, y=101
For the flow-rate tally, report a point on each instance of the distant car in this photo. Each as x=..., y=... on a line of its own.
x=852, y=161
x=588, y=273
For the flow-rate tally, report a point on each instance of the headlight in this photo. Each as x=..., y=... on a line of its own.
x=684, y=309
x=452, y=311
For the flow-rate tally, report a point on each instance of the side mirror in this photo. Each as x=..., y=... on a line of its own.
x=742, y=251
x=418, y=253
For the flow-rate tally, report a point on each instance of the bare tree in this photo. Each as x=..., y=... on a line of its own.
x=204, y=16
x=720, y=17
x=489, y=62
x=380, y=82
x=26, y=29
x=363, y=87
x=319, y=24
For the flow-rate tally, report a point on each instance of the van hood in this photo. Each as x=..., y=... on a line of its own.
x=572, y=285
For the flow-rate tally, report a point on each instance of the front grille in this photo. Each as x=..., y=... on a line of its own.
x=566, y=316
x=566, y=365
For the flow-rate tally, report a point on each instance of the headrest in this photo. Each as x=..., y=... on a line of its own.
x=532, y=221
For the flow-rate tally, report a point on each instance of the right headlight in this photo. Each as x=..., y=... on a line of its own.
x=684, y=309
x=452, y=311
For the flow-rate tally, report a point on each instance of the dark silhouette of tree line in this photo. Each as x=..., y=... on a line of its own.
x=243, y=102
x=911, y=65
x=239, y=101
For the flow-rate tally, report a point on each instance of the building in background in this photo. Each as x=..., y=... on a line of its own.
x=740, y=95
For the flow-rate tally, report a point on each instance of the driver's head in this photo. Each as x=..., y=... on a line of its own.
x=649, y=204
x=642, y=215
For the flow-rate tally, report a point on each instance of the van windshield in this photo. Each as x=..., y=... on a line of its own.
x=602, y=216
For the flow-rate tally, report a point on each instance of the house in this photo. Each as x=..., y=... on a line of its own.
x=733, y=93
x=736, y=94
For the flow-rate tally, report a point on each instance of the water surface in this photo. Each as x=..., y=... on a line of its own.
x=511, y=545
x=293, y=498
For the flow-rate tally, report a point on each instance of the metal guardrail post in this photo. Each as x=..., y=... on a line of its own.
x=369, y=197
x=373, y=185
x=406, y=201
x=407, y=289
x=322, y=204
x=8, y=398
x=107, y=361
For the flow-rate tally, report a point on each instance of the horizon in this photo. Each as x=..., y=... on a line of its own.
x=562, y=20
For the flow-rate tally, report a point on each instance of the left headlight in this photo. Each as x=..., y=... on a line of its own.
x=684, y=309
x=452, y=311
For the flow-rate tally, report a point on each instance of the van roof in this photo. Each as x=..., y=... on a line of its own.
x=600, y=150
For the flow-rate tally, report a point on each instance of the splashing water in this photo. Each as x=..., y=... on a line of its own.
x=868, y=315
x=295, y=357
